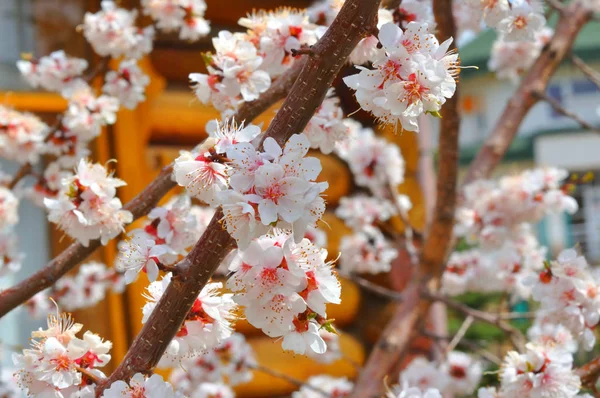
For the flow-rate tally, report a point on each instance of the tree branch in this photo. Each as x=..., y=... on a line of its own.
x=565, y=112
x=76, y=252
x=139, y=206
x=589, y=72
x=395, y=339
x=487, y=317
x=354, y=20
x=572, y=19
x=589, y=373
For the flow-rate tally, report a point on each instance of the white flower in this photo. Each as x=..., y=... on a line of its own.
x=52, y=367
x=414, y=75
x=140, y=254
x=360, y=210
x=275, y=186
x=230, y=362
x=521, y=24
x=112, y=32
x=53, y=72
x=424, y=375
x=87, y=113
x=127, y=84
x=541, y=371
x=9, y=209
x=139, y=386
x=464, y=373
x=374, y=162
x=305, y=336
x=414, y=392
x=10, y=257
x=206, y=325
x=86, y=207
x=211, y=390
x=366, y=251
x=334, y=387
x=326, y=128
x=21, y=135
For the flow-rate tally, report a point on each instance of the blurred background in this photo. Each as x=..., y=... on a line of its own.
x=151, y=136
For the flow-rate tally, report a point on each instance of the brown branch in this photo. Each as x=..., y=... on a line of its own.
x=354, y=20
x=88, y=375
x=589, y=373
x=565, y=112
x=395, y=339
x=76, y=252
x=372, y=287
x=556, y=5
x=23, y=172
x=574, y=16
x=139, y=206
x=589, y=72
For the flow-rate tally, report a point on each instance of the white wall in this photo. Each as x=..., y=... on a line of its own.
x=491, y=96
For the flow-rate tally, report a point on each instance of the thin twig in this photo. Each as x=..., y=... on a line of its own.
x=556, y=5
x=565, y=112
x=88, y=375
x=588, y=71
x=471, y=345
x=372, y=287
x=292, y=380
x=493, y=319
x=460, y=333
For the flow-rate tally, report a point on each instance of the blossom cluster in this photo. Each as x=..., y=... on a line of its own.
x=414, y=75
x=172, y=229
x=497, y=218
x=378, y=166
x=568, y=292
x=317, y=386
x=59, y=364
x=367, y=50
x=514, y=20
x=510, y=59
x=244, y=64
x=458, y=374
x=506, y=269
x=230, y=363
x=187, y=16
x=127, y=84
x=258, y=190
x=326, y=129
x=54, y=72
x=10, y=257
x=284, y=287
x=492, y=211
x=86, y=207
x=540, y=371
x=21, y=135
x=207, y=325
x=112, y=32
x=141, y=386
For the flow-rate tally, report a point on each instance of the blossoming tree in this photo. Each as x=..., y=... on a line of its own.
x=261, y=201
